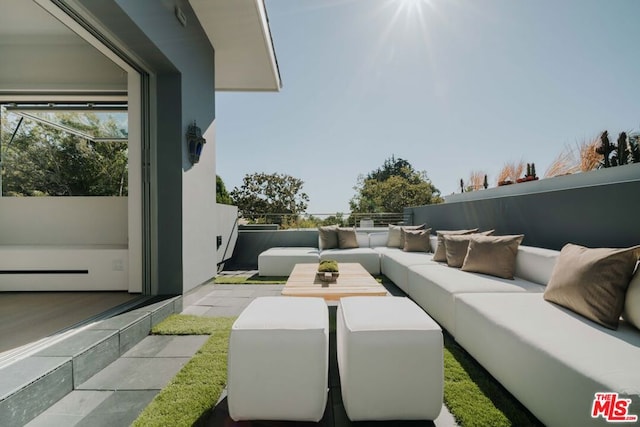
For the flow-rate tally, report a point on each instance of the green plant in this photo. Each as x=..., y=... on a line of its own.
x=621, y=156
x=605, y=149
x=328, y=266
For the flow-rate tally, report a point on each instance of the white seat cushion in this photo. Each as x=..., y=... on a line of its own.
x=395, y=262
x=435, y=286
x=552, y=360
x=390, y=359
x=278, y=360
x=280, y=261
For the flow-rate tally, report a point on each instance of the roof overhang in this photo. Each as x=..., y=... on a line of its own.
x=239, y=33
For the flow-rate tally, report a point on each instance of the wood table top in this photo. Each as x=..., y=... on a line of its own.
x=353, y=280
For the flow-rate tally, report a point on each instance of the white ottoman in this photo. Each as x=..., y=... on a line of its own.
x=278, y=360
x=390, y=359
x=280, y=261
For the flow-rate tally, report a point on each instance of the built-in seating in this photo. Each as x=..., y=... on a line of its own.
x=553, y=360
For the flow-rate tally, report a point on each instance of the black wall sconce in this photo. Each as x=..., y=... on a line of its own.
x=195, y=142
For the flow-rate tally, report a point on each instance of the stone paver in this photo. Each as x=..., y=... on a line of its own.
x=116, y=395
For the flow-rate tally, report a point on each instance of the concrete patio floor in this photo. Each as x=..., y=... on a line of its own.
x=116, y=395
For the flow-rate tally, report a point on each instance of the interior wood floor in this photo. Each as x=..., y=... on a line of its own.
x=26, y=317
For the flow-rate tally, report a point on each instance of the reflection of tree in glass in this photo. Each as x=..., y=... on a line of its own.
x=45, y=161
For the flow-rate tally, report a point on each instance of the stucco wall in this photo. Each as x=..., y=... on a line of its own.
x=593, y=215
x=227, y=229
x=180, y=62
x=63, y=221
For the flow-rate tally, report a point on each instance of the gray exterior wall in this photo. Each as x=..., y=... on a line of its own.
x=251, y=243
x=180, y=62
x=605, y=215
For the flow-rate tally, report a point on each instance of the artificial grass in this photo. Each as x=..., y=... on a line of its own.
x=473, y=397
x=250, y=280
x=195, y=390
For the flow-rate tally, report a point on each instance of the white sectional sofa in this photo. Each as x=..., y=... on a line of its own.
x=279, y=261
x=552, y=360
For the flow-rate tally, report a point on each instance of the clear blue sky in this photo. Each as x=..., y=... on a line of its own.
x=453, y=86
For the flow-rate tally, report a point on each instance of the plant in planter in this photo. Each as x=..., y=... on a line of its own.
x=510, y=173
x=531, y=173
x=328, y=270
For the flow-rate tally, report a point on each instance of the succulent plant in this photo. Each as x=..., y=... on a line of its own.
x=605, y=148
x=328, y=266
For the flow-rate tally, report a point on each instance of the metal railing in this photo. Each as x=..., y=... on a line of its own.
x=313, y=220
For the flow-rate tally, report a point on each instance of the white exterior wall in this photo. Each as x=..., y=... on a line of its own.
x=199, y=216
x=227, y=228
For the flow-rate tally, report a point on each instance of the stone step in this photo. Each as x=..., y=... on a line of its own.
x=36, y=381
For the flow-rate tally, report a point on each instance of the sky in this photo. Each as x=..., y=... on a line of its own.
x=452, y=86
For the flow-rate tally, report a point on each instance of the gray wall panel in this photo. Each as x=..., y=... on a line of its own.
x=595, y=216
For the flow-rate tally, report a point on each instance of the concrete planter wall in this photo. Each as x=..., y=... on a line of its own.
x=595, y=209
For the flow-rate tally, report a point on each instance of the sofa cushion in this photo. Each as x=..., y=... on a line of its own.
x=328, y=237
x=378, y=239
x=457, y=245
x=416, y=240
x=535, y=264
x=593, y=282
x=347, y=238
x=550, y=359
x=494, y=255
x=395, y=239
x=395, y=263
x=435, y=287
x=631, y=311
x=367, y=257
x=280, y=261
x=440, y=253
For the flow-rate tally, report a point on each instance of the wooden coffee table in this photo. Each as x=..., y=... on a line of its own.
x=353, y=280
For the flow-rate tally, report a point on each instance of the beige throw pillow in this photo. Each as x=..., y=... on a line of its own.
x=416, y=240
x=493, y=255
x=592, y=282
x=457, y=245
x=395, y=240
x=440, y=253
x=328, y=236
x=347, y=238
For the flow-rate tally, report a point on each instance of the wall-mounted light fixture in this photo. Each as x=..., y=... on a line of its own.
x=195, y=142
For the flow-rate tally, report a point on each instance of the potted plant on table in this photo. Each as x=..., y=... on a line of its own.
x=328, y=270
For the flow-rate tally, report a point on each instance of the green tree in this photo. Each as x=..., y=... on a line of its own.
x=222, y=195
x=45, y=161
x=393, y=187
x=270, y=195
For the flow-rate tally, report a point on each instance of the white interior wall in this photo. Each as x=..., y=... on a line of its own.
x=198, y=216
x=63, y=221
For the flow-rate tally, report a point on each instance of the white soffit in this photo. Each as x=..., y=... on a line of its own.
x=240, y=35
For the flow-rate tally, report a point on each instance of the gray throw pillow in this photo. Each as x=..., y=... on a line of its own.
x=328, y=236
x=592, y=282
x=395, y=239
x=416, y=240
x=347, y=238
x=493, y=255
x=440, y=253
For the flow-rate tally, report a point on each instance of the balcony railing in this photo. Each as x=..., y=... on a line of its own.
x=312, y=220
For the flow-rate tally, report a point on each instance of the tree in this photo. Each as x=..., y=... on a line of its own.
x=222, y=195
x=270, y=195
x=45, y=161
x=393, y=187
